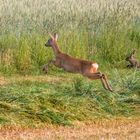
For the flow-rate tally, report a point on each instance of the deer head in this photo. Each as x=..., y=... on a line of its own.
x=52, y=41
x=131, y=56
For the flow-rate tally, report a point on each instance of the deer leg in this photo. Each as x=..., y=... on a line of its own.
x=95, y=76
x=106, y=81
x=45, y=67
x=57, y=63
x=129, y=66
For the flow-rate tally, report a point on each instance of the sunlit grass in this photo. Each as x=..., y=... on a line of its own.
x=34, y=101
x=102, y=31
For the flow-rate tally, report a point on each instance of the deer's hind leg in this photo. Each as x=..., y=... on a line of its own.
x=106, y=81
x=99, y=75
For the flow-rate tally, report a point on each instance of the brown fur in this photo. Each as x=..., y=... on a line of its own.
x=133, y=62
x=74, y=65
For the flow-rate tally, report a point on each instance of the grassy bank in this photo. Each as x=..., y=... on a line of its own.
x=36, y=100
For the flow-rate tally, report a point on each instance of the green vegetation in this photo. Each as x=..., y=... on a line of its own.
x=33, y=103
x=102, y=31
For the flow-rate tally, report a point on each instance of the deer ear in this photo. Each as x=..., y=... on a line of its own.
x=56, y=36
x=51, y=35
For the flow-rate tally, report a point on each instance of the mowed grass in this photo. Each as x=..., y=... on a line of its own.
x=62, y=99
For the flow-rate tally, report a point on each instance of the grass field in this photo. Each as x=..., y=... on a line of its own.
x=46, y=107
x=37, y=100
x=102, y=31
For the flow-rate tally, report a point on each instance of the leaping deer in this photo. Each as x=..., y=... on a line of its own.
x=74, y=65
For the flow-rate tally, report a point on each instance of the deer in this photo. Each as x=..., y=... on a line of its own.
x=74, y=65
x=133, y=62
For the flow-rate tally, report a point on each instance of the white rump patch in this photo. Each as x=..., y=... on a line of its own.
x=95, y=65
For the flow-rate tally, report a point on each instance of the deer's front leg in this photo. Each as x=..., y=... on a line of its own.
x=129, y=66
x=57, y=63
x=45, y=67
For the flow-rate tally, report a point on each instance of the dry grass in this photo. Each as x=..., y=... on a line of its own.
x=3, y=81
x=115, y=129
x=40, y=78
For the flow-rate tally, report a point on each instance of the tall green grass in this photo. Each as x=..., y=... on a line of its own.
x=104, y=31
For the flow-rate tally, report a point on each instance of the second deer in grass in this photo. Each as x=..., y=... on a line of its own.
x=74, y=65
x=133, y=62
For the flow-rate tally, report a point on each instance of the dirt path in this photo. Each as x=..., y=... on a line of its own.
x=104, y=130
